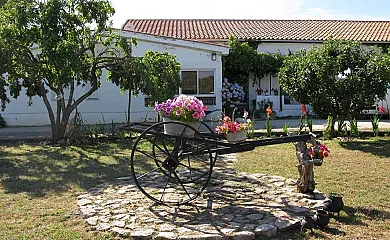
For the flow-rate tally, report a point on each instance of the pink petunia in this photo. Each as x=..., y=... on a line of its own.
x=196, y=115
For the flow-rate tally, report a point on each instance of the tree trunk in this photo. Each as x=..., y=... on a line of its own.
x=305, y=182
x=129, y=101
x=330, y=131
x=58, y=133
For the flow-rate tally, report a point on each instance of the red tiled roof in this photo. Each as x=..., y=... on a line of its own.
x=266, y=30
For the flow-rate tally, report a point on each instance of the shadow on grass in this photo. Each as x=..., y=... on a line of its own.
x=378, y=146
x=355, y=216
x=37, y=170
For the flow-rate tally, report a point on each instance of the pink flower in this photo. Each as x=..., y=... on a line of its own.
x=196, y=115
x=182, y=108
x=226, y=119
x=230, y=127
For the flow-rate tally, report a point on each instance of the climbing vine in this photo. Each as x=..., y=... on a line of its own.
x=244, y=59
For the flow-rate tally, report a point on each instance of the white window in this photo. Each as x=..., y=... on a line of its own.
x=199, y=82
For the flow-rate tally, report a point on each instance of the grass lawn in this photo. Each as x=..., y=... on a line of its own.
x=359, y=169
x=39, y=186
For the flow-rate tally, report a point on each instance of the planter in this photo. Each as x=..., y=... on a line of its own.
x=334, y=203
x=318, y=162
x=236, y=137
x=307, y=223
x=177, y=128
x=321, y=218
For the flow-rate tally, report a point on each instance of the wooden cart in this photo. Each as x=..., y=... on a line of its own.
x=174, y=169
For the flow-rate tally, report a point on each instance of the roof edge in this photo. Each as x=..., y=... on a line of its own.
x=224, y=50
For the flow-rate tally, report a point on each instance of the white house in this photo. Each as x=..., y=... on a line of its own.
x=199, y=46
x=269, y=36
x=200, y=62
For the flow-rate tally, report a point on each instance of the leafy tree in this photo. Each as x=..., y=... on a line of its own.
x=58, y=45
x=155, y=74
x=339, y=79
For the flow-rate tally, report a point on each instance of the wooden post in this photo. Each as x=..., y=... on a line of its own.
x=306, y=183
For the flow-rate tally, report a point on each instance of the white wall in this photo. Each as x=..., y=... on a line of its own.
x=108, y=103
x=283, y=48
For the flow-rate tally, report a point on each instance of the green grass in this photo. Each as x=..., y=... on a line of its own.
x=358, y=169
x=39, y=186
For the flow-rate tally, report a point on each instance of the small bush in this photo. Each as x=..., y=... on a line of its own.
x=3, y=124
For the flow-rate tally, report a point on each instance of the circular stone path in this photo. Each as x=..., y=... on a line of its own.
x=233, y=206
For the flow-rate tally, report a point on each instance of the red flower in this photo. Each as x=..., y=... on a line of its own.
x=326, y=154
x=322, y=153
x=382, y=110
x=304, y=109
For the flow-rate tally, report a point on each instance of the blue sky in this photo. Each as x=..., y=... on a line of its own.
x=252, y=9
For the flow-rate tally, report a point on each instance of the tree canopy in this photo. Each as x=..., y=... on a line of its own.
x=338, y=79
x=58, y=45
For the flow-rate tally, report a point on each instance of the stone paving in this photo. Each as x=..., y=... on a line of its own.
x=233, y=206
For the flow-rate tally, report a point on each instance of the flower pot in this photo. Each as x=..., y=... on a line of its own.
x=236, y=137
x=175, y=128
x=317, y=162
x=321, y=218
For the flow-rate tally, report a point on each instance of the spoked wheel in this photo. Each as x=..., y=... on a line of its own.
x=171, y=169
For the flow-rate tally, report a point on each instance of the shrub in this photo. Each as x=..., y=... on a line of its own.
x=2, y=122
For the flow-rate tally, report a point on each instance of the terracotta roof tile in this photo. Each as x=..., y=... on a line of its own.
x=271, y=30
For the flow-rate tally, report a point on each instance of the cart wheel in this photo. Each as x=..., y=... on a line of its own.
x=169, y=169
x=206, y=130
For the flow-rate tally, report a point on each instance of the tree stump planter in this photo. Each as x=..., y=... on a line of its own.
x=306, y=183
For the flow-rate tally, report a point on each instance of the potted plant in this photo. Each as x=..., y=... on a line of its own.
x=183, y=108
x=317, y=153
x=234, y=132
x=275, y=91
x=259, y=91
